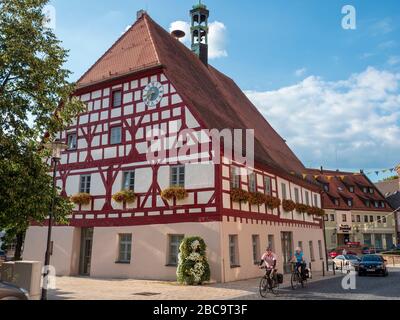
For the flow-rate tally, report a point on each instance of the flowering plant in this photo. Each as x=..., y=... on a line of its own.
x=272, y=202
x=193, y=268
x=301, y=208
x=257, y=198
x=81, y=198
x=288, y=205
x=127, y=196
x=177, y=193
x=239, y=195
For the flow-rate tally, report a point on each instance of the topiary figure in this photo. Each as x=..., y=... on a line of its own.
x=193, y=267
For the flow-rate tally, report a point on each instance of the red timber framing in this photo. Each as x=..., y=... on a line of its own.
x=90, y=158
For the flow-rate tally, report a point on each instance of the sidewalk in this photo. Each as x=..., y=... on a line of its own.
x=74, y=288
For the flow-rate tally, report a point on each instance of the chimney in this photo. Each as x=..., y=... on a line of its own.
x=140, y=14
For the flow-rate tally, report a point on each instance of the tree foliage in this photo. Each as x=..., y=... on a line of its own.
x=35, y=102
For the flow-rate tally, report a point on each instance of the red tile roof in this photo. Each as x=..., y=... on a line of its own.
x=340, y=183
x=218, y=101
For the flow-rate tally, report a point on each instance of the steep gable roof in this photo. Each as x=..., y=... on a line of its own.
x=217, y=100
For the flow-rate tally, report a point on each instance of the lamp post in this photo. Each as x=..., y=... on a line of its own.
x=56, y=148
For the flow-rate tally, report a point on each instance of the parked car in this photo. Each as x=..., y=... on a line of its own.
x=339, y=251
x=368, y=250
x=347, y=260
x=10, y=292
x=372, y=264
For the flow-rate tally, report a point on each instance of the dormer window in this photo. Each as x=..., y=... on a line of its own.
x=367, y=203
x=326, y=187
x=382, y=204
x=337, y=202
x=376, y=203
x=371, y=190
x=365, y=189
x=350, y=203
x=351, y=189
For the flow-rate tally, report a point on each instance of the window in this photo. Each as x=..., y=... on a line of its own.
x=321, y=255
x=365, y=189
x=284, y=194
x=350, y=203
x=125, y=247
x=332, y=217
x=271, y=242
x=315, y=200
x=344, y=218
x=378, y=219
x=371, y=190
x=235, y=178
x=267, y=183
x=376, y=203
x=337, y=202
x=71, y=141
x=326, y=187
x=128, y=182
x=233, y=250
x=326, y=217
x=174, y=242
x=178, y=176
x=367, y=203
x=252, y=182
x=384, y=220
x=85, y=184
x=311, y=245
x=116, y=135
x=256, y=248
x=382, y=204
x=296, y=195
x=371, y=218
x=307, y=195
x=116, y=98
x=351, y=189
x=365, y=218
x=358, y=218
x=353, y=218
x=300, y=245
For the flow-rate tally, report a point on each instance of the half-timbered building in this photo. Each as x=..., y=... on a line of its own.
x=149, y=81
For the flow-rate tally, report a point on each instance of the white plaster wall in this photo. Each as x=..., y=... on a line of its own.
x=247, y=269
x=65, y=257
x=149, y=250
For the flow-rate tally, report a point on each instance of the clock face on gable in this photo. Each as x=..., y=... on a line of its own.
x=153, y=94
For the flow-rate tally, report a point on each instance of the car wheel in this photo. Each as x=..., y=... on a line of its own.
x=386, y=273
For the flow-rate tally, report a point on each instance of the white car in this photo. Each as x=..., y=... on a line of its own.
x=346, y=261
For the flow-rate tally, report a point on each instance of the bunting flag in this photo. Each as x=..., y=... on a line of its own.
x=377, y=172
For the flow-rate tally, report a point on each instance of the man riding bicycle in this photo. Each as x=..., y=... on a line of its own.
x=270, y=260
x=298, y=258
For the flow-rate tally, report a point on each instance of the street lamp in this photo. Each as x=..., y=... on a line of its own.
x=56, y=148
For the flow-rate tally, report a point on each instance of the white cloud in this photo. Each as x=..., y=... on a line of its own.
x=382, y=27
x=300, y=72
x=216, y=39
x=393, y=60
x=356, y=121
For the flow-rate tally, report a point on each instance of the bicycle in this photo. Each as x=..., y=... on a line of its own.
x=268, y=285
x=297, y=278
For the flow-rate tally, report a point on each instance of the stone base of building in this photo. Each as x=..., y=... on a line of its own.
x=232, y=248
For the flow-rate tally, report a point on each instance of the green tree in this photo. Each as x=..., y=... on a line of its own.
x=36, y=102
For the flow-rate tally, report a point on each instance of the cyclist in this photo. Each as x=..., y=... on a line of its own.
x=298, y=258
x=270, y=260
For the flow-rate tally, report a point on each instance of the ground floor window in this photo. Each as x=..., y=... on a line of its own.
x=256, y=248
x=321, y=255
x=174, y=242
x=287, y=250
x=378, y=241
x=125, y=248
x=389, y=241
x=367, y=239
x=271, y=242
x=311, y=245
x=233, y=250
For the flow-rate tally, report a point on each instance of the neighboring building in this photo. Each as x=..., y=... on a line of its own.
x=149, y=80
x=355, y=210
x=391, y=190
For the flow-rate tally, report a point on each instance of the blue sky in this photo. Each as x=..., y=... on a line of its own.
x=293, y=59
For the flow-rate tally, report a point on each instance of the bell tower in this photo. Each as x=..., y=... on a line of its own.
x=199, y=31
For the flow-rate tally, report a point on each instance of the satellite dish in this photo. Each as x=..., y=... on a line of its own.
x=178, y=34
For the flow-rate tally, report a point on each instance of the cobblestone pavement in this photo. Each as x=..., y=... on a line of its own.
x=321, y=288
x=79, y=288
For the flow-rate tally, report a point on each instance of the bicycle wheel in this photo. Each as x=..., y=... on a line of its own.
x=264, y=287
x=275, y=288
x=294, y=280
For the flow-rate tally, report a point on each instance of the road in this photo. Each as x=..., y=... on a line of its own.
x=367, y=288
